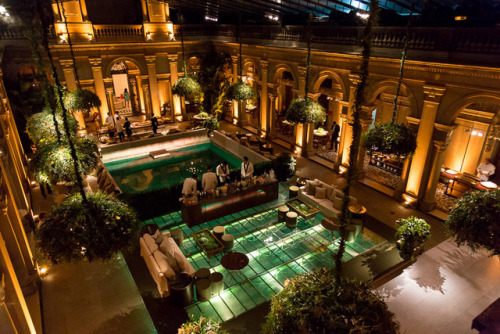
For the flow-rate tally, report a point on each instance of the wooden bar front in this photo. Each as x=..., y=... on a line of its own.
x=213, y=208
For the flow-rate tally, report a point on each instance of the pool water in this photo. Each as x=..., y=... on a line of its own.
x=146, y=174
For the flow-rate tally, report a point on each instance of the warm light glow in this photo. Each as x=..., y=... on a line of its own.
x=460, y=18
x=44, y=271
x=480, y=134
x=211, y=18
x=409, y=198
x=91, y=37
x=33, y=183
x=35, y=216
x=342, y=170
x=148, y=36
x=474, y=132
x=178, y=118
x=364, y=16
x=489, y=185
x=235, y=121
x=63, y=37
x=451, y=171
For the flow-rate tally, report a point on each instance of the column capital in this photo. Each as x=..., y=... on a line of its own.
x=66, y=62
x=173, y=58
x=234, y=59
x=412, y=120
x=440, y=145
x=150, y=60
x=302, y=70
x=433, y=93
x=95, y=61
x=109, y=90
x=272, y=96
x=354, y=78
x=264, y=64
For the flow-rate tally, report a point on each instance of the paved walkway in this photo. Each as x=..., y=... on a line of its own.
x=444, y=290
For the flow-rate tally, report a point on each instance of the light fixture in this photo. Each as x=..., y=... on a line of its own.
x=235, y=121
x=3, y=12
x=364, y=16
x=90, y=36
x=480, y=134
x=43, y=271
x=460, y=18
x=474, y=132
x=33, y=183
x=148, y=36
x=211, y=18
x=63, y=37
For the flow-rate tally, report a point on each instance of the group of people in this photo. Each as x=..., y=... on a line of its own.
x=126, y=128
x=211, y=180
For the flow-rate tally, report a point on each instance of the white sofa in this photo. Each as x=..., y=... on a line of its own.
x=331, y=204
x=164, y=259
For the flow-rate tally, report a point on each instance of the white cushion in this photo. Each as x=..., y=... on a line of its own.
x=168, y=247
x=329, y=190
x=337, y=203
x=162, y=261
x=150, y=242
x=158, y=236
x=320, y=193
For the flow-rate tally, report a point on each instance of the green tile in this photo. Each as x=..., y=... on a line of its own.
x=194, y=310
x=221, y=308
x=232, y=303
x=245, y=300
x=207, y=309
x=272, y=282
x=262, y=287
x=253, y=293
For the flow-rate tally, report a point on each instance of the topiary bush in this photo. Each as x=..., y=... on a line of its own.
x=305, y=111
x=52, y=162
x=211, y=124
x=96, y=229
x=81, y=99
x=41, y=129
x=475, y=220
x=283, y=166
x=391, y=138
x=186, y=86
x=240, y=91
x=411, y=232
x=310, y=303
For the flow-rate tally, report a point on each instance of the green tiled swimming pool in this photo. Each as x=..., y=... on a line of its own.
x=276, y=253
x=145, y=174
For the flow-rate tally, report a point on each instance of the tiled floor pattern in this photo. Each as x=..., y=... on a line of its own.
x=276, y=253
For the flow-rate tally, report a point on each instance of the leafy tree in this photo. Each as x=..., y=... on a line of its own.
x=41, y=127
x=475, y=220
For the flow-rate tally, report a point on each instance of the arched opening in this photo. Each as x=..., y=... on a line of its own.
x=251, y=76
x=285, y=94
x=126, y=100
x=475, y=138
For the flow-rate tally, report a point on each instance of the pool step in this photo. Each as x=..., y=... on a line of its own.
x=159, y=154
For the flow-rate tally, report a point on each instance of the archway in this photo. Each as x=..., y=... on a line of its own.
x=286, y=91
x=251, y=75
x=126, y=86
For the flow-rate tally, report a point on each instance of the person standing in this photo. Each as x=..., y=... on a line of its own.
x=128, y=127
x=335, y=135
x=154, y=123
x=117, y=115
x=126, y=96
x=119, y=129
x=246, y=169
x=110, y=120
x=189, y=186
x=485, y=170
x=209, y=180
x=223, y=172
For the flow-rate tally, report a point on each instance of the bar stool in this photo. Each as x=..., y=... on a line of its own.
x=228, y=242
x=176, y=234
x=203, y=290
x=282, y=211
x=217, y=285
x=219, y=231
x=291, y=219
x=202, y=273
x=293, y=191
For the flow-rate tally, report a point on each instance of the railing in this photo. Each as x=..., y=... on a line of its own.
x=118, y=30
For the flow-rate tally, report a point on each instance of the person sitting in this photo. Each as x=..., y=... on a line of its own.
x=246, y=169
x=209, y=180
x=189, y=186
x=223, y=172
x=485, y=170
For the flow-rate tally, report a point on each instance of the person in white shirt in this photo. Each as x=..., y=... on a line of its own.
x=189, y=186
x=119, y=128
x=110, y=120
x=485, y=170
x=223, y=172
x=209, y=180
x=246, y=169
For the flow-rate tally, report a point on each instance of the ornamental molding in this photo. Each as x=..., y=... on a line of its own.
x=95, y=61
x=150, y=60
x=433, y=93
x=440, y=145
x=412, y=120
x=66, y=62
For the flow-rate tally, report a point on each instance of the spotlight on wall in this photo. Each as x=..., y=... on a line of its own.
x=460, y=18
x=480, y=134
x=474, y=132
x=43, y=271
x=63, y=37
x=90, y=36
x=148, y=36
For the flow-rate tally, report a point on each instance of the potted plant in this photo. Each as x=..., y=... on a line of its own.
x=211, y=124
x=305, y=111
x=411, y=233
x=315, y=303
x=240, y=91
x=186, y=86
x=391, y=138
x=202, y=325
x=475, y=222
x=95, y=229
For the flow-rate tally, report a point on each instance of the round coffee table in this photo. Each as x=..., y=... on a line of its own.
x=234, y=262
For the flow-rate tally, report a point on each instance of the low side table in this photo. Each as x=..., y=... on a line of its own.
x=234, y=262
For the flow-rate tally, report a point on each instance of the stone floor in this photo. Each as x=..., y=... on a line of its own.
x=444, y=290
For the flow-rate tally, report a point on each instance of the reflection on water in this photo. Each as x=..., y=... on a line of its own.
x=145, y=174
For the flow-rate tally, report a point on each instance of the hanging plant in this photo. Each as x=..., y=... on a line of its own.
x=305, y=111
x=211, y=124
x=310, y=303
x=53, y=163
x=186, y=86
x=391, y=138
x=474, y=221
x=41, y=128
x=81, y=99
x=240, y=91
x=96, y=229
x=411, y=233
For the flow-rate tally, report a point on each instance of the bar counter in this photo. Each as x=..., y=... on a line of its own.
x=212, y=208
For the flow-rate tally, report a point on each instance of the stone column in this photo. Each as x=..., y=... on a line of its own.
x=416, y=186
x=301, y=129
x=12, y=170
x=272, y=111
x=365, y=123
x=110, y=93
x=176, y=106
x=236, y=104
x=400, y=189
x=147, y=99
x=14, y=313
x=153, y=85
x=69, y=76
x=83, y=8
x=265, y=116
x=99, y=86
x=340, y=151
x=429, y=201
